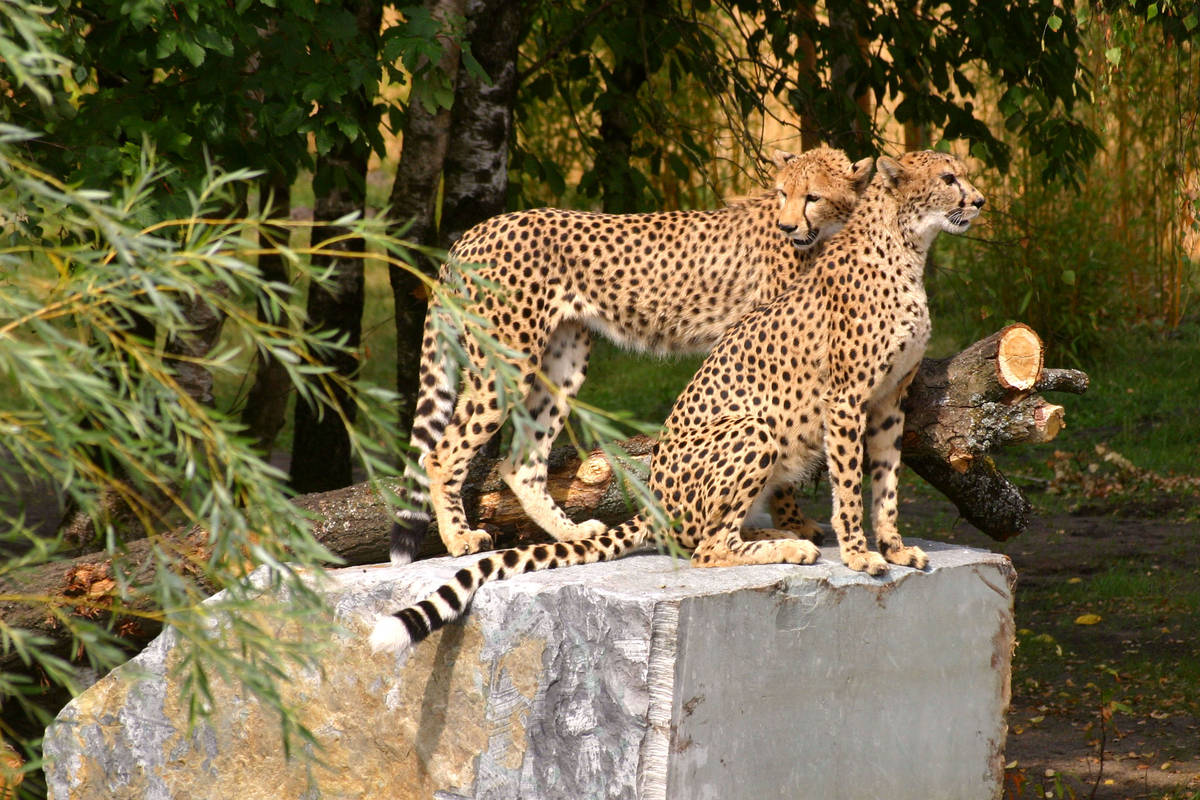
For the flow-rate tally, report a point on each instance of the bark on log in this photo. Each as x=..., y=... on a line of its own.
x=958, y=408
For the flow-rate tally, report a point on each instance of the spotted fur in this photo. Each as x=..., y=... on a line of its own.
x=818, y=373
x=665, y=283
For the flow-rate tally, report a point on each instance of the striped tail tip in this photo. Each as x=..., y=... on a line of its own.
x=389, y=635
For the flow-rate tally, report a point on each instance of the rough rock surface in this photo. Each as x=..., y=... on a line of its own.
x=643, y=678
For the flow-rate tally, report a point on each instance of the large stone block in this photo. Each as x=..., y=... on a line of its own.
x=643, y=678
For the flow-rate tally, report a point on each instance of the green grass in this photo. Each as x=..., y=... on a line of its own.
x=645, y=386
x=1144, y=400
x=1143, y=403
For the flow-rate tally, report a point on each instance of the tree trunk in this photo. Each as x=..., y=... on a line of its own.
x=266, y=404
x=811, y=133
x=854, y=132
x=414, y=201
x=618, y=124
x=321, y=457
x=960, y=408
x=188, y=348
x=476, y=165
x=475, y=176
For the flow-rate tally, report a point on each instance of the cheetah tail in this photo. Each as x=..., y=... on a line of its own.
x=436, y=396
x=396, y=632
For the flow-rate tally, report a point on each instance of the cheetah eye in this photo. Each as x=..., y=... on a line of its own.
x=949, y=179
x=812, y=198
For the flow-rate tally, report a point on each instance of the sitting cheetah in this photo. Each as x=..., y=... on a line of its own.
x=665, y=283
x=821, y=370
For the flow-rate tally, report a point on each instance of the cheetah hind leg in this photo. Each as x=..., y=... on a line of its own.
x=755, y=546
x=786, y=513
x=733, y=483
x=476, y=418
x=564, y=366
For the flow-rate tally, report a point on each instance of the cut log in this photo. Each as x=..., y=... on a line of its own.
x=958, y=409
x=1019, y=357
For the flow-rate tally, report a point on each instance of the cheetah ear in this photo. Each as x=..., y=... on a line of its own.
x=860, y=174
x=891, y=170
x=781, y=157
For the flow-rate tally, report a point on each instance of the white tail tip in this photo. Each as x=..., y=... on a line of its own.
x=389, y=635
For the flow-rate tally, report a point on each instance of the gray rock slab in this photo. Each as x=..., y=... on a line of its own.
x=642, y=678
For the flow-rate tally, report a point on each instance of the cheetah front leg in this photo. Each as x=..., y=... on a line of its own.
x=845, y=424
x=733, y=547
x=885, y=430
x=564, y=367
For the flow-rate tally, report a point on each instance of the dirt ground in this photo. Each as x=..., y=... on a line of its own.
x=1058, y=743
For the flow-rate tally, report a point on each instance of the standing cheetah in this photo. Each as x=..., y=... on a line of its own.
x=819, y=371
x=665, y=283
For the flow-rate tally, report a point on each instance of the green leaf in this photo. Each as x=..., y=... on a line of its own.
x=1054, y=22
x=348, y=128
x=474, y=68
x=443, y=96
x=1113, y=54
x=678, y=166
x=1068, y=276
x=192, y=52
x=167, y=43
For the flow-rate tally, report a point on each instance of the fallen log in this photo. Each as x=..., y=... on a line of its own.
x=961, y=408
x=958, y=409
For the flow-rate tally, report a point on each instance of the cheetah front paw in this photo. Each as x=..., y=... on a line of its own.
x=908, y=557
x=469, y=542
x=583, y=530
x=869, y=562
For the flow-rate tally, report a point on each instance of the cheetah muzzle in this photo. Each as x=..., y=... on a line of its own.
x=806, y=241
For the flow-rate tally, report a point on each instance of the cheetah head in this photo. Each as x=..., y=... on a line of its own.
x=933, y=191
x=817, y=190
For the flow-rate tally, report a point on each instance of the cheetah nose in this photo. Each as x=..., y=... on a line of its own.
x=787, y=228
x=978, y=203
